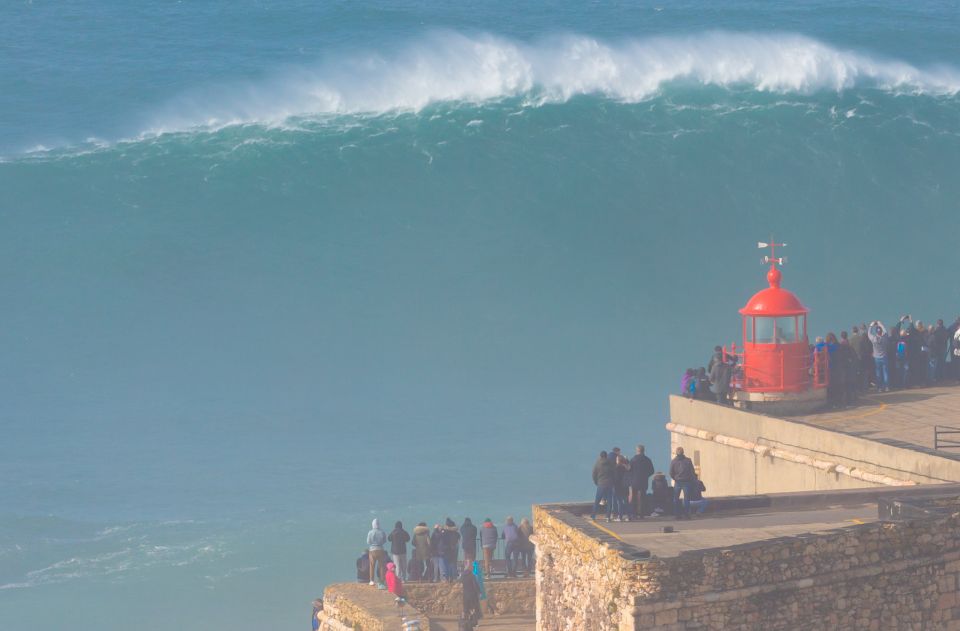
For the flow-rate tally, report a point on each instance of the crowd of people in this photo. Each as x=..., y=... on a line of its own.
x=434, y=555
x=871, y=357
x=631, y=489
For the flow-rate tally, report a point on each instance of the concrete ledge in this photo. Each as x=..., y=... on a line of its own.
x=817, y=458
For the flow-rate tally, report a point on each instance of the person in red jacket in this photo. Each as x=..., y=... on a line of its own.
x=394, y=583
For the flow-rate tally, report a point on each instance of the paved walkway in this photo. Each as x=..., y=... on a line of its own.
x=907, y=416
x=493, y=623
x=716, y=531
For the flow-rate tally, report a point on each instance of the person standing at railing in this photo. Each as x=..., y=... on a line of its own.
x=861, y=344
x=880, y=339
x=603, y=478
x=439, y=569
x=398, y=539
x=684, y=476
x=641, y=468
x=376, y=539
x=468, y=541
x=716, y=358
x=937, y=340
x=488, y=543
x=451, y=547
x=527, y=549
x=511, y=540
x=621, y=488
x=421, y=551
x=953, y=332
x=849, y=365
x=720, y=380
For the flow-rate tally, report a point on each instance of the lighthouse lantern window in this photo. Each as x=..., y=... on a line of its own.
x=782, y=330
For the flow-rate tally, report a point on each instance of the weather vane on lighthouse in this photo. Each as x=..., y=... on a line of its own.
x=772, y=258
x=774, y=275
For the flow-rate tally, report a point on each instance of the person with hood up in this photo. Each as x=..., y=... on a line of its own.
x=451, y=547
x=438, y=554
x=603, y=477
x=394, y=582
x=512, y=540
x=421, y=551
x=488, y=543
x=398, y=539
x=661, y=494
x=376, y=538
x=468, y=541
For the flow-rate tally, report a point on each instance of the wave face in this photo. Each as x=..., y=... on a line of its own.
x=454, y=67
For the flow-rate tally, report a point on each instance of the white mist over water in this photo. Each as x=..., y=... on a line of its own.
x=456, y=67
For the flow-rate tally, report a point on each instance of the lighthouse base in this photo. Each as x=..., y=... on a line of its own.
x=781, y=403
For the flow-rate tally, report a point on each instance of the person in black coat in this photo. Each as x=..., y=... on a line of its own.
x=641, y=468
x=471, y=600
x=451, y=548
x=468, y=541
x=437, y=555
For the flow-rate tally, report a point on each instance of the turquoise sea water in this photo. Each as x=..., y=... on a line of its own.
x=271, y=269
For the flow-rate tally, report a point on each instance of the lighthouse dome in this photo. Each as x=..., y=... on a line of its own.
x=774, y=300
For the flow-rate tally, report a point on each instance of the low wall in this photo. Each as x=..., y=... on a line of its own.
x=901, y=575
x=360, y=607
x=585, y=578
x=813, y=458
x=513, y=597
x=885, y=575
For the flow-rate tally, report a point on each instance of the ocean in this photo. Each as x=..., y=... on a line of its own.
x=272, y=269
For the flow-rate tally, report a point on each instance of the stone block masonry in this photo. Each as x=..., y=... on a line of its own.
x=882, y=575
x=509, y=597
x=359, y=607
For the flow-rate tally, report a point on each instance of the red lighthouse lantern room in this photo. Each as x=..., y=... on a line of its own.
x=779, y=370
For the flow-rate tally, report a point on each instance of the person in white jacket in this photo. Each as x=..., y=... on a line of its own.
x=879, y=338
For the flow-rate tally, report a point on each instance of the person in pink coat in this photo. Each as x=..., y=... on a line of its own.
x=394, y=584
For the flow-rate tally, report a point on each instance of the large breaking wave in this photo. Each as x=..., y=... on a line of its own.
x=454, y=67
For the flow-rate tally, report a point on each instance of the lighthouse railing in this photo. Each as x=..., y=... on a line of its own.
x=766, y=375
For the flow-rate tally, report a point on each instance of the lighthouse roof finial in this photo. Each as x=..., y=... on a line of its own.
x=774, y=275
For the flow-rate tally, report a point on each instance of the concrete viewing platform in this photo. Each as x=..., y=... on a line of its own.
x=904, y=418
x=733, y=527
x=736, y=521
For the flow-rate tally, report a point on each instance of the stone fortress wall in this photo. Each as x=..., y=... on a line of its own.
x=897, y=574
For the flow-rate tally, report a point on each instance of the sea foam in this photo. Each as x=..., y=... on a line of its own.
x=455, y=67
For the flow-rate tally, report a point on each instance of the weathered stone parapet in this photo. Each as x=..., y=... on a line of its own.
x=507, y=597
x=881, y=575
x=364, y=608
x=584, y=576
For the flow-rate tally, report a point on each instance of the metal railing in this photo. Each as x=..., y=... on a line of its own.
x=746, y=376
x=939, y=442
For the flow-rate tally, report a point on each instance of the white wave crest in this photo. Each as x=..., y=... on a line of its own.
x=453, y=67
